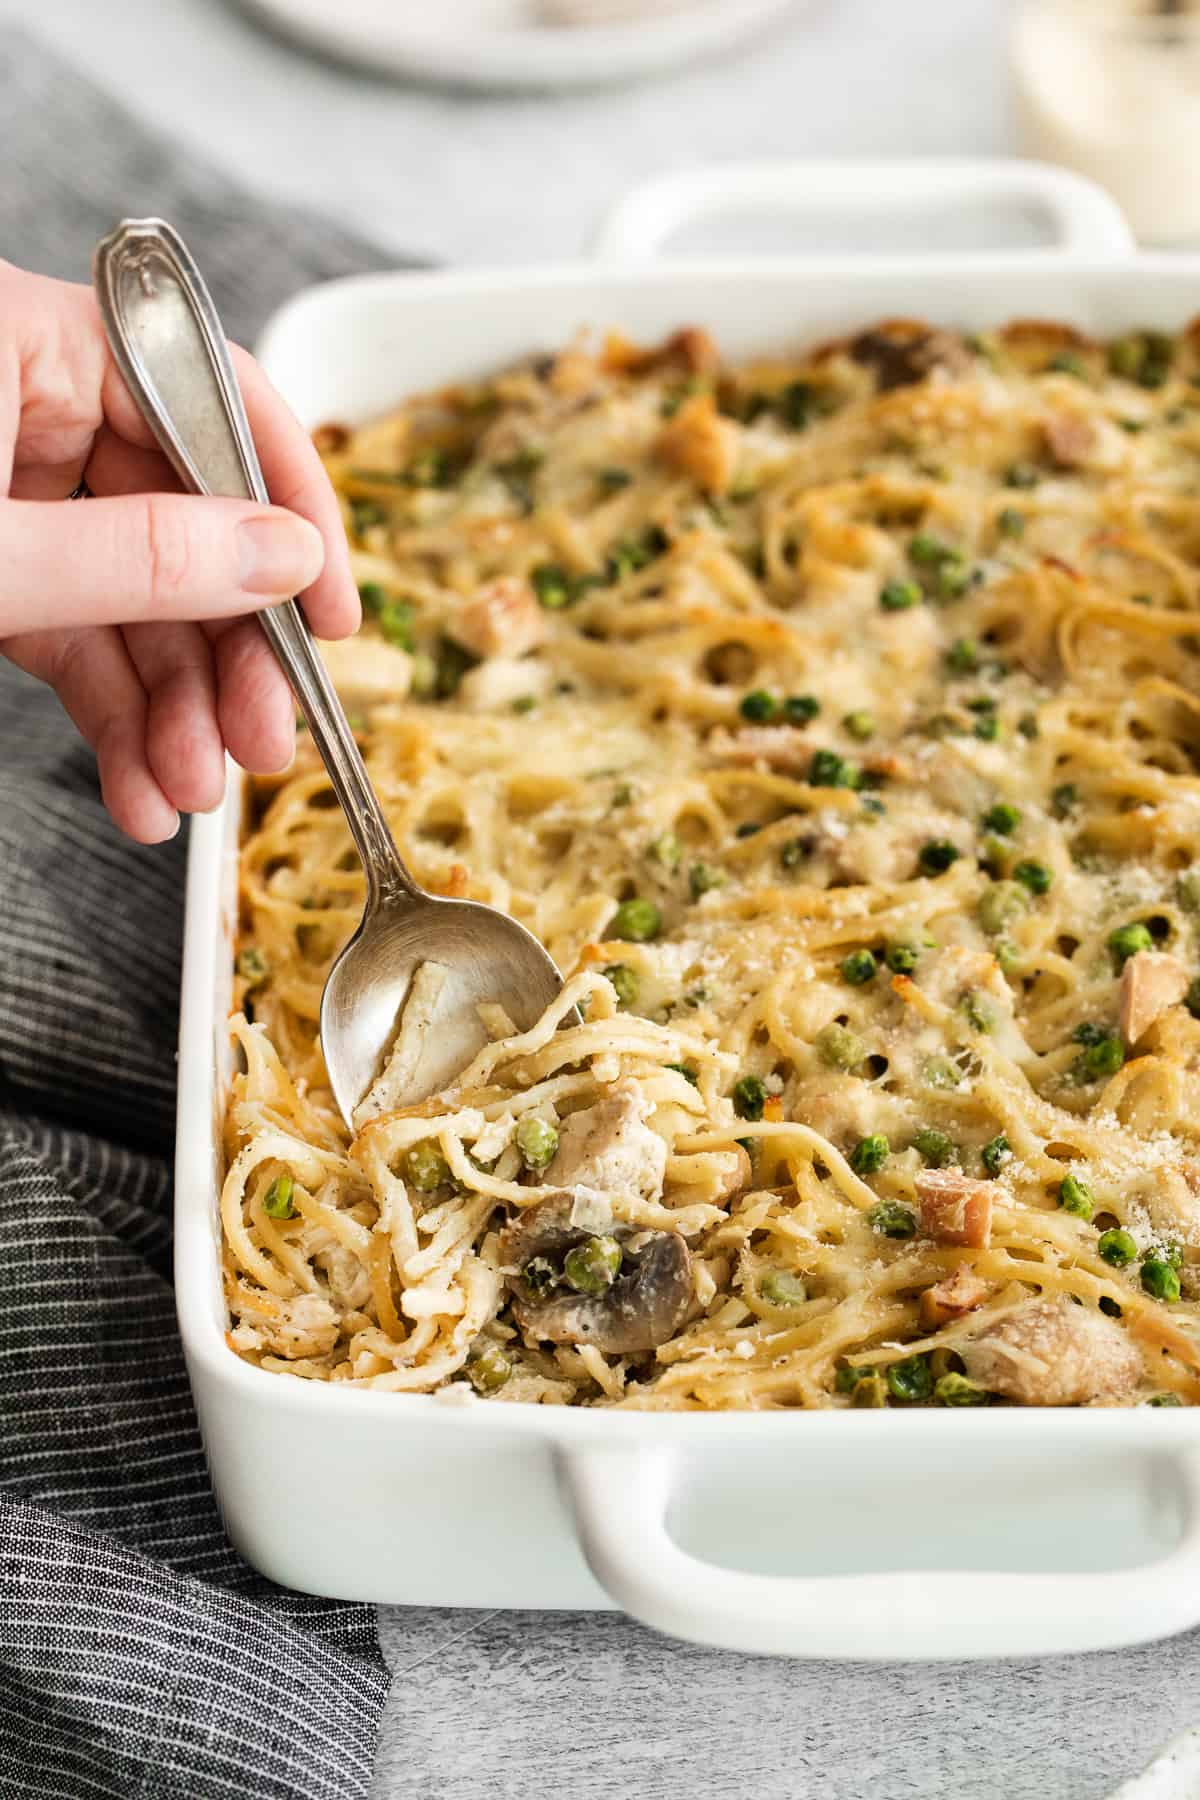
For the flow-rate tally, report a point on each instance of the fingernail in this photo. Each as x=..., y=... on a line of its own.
x=279, y=553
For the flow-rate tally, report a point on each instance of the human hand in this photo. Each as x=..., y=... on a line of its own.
x=134, y=605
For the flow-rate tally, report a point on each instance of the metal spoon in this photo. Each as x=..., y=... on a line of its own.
x=168, y=344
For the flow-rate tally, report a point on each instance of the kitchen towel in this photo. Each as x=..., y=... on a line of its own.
x=140, y=1658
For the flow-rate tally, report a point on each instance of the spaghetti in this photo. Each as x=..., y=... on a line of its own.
x=834, y=723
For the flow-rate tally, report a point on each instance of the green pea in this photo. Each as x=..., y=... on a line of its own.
x=1159, y=1279
x=954, y=578
x=396, y=624
x=749, y=1097
x=828, y=769
x=758, y=705
x=1010, y=523
x=978, y=1010
x=277, y=1201
x=910, y=1380
x=593, y=1266
x=252, y=966
x=1166, y=1399
x=839, y=1047
x=365, y=515
x=540, y=1277
x=860, y=725
x=936, y=856
x=870, y=1154
x=630, y=554
x=955, y=1390
x=665, y=850
x=891, y=1219
x=995, y=1153
x=431, y=467
x=625, y=982
x=537, y=1140
x=795, y=404
x=927, y=551
x=987, y=729
x=779, y=1287
x=940, y=1072
x=1075, y=1196
x=424, y=1167
x=1142, y=356
x=1002, y=818
x=1035, y=876
x=552, y=585
x=935, y=1148
x=902, y=958
x=703, y=878
x=488, y=1370
x=1102, y=1058
x=799, y=709
x=963, y=656
x=1022, y=475
x=859, y=967
x=1187, y=889
x=1117, y=1247
x=1068, y=362
x=373, y=595
x=1127, y=940
x=899, y=596
x=636, y=921
x=451, y=665
x=869, y=1390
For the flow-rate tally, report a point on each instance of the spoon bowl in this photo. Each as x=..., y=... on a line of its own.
x=488, y=958
x=168, y=344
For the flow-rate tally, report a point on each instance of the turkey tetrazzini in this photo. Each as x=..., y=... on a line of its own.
x=835, y=723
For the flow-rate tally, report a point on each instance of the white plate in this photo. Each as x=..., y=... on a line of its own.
x=503, y=43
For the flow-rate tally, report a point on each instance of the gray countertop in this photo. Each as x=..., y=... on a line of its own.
x=492, y=1705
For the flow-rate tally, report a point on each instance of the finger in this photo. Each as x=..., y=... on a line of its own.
x=148, y=556
x=296, y=478
x=46, y=482
x=254, y=712
x=118, y=467
x=94, y=677
x=255, y=709
x=184, y=748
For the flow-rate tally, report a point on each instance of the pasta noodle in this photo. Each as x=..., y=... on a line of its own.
x=835, y=723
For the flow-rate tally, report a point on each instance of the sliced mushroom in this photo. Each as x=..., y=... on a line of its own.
x=903, y=351
x=646, y=1304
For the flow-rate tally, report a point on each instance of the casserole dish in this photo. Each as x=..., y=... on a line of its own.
x=922, y=1534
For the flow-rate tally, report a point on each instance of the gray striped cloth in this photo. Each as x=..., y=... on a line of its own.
x=139, y=1656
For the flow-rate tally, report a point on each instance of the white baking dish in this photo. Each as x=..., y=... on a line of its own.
x=853, y=1534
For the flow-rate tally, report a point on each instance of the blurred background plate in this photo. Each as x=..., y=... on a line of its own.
x=511, y=43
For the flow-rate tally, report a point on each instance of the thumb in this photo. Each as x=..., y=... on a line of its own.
x=148, y=556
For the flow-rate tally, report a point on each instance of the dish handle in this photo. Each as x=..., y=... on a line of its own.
x=621, y=1499
x=1083, y=219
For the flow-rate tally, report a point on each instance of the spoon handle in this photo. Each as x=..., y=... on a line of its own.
x=167, y=340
